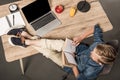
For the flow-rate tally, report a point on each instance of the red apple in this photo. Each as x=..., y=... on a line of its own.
x=59, y=8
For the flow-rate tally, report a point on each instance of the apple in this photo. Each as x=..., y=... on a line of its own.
x=59, y=8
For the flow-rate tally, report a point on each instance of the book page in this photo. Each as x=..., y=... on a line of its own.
x=68, y=50
x=11, y=20
x=16, y=19
x=3, y=25
x=69, y=47
x=70, y=58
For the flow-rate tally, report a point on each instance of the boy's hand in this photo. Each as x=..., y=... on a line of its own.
x=75, y=71
x=85, y=34
x=73, y=54
x=77, y=40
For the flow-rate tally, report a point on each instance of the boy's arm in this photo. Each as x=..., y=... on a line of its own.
x=85, y=34
x=98, y=36
x=75, y=71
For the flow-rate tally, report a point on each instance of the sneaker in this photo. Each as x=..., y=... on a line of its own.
x=15, y=31
x=15, y=41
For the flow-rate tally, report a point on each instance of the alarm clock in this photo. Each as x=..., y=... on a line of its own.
x=13, y=7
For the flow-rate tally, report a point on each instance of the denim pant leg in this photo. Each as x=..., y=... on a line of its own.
x=81, y=47
x=68, y=70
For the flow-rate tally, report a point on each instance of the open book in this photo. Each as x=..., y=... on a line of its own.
x=67, y=53
x=11, y=20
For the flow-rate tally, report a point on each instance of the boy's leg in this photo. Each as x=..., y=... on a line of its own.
x=45, y=46
x=49, y=48
x=53, y=55
x=55, y=45
x=21, y=32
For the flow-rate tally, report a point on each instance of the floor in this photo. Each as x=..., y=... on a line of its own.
x=37, y=67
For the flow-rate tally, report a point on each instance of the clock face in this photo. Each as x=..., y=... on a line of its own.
x=13, y=7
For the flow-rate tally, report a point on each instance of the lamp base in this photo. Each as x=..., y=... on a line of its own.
x=83, y=6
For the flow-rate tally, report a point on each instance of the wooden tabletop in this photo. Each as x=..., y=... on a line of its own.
x=71, y=26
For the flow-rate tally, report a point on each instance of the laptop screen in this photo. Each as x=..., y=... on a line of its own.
x=36, y=9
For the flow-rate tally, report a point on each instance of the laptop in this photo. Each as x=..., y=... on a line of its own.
x=40, y=16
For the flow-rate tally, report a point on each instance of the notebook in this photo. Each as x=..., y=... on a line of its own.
x=14, y=20
x=40, y=16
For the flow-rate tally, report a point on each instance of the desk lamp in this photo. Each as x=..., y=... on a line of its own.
x=83, y=6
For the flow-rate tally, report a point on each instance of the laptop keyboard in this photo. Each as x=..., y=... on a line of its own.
x=43, y=21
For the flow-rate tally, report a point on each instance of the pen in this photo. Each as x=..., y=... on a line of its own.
x=13, y=19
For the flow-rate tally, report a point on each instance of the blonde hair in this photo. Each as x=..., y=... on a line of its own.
x=107, y=53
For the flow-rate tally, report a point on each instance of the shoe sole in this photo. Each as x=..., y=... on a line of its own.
x=9, y=40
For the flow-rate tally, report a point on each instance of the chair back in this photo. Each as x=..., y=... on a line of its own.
x=107, y=68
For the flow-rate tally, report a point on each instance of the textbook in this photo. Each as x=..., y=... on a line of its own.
x=67, y=53
x=11, y=21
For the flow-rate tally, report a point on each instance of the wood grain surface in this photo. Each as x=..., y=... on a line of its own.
x=70, y=27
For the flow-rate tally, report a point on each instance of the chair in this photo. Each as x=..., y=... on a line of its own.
x=107, y=68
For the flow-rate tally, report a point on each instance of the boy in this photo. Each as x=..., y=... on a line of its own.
x=90, y=59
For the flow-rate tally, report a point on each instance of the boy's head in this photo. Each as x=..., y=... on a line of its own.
x=104, y=53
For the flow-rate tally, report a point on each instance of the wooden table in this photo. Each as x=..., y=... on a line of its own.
x=71, y=26
x=13, y=53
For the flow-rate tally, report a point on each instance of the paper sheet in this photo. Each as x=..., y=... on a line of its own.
x=11, y=20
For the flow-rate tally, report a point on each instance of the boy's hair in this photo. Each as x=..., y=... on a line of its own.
x=107, y=53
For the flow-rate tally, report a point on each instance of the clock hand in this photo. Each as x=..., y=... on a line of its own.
x=12, y=6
